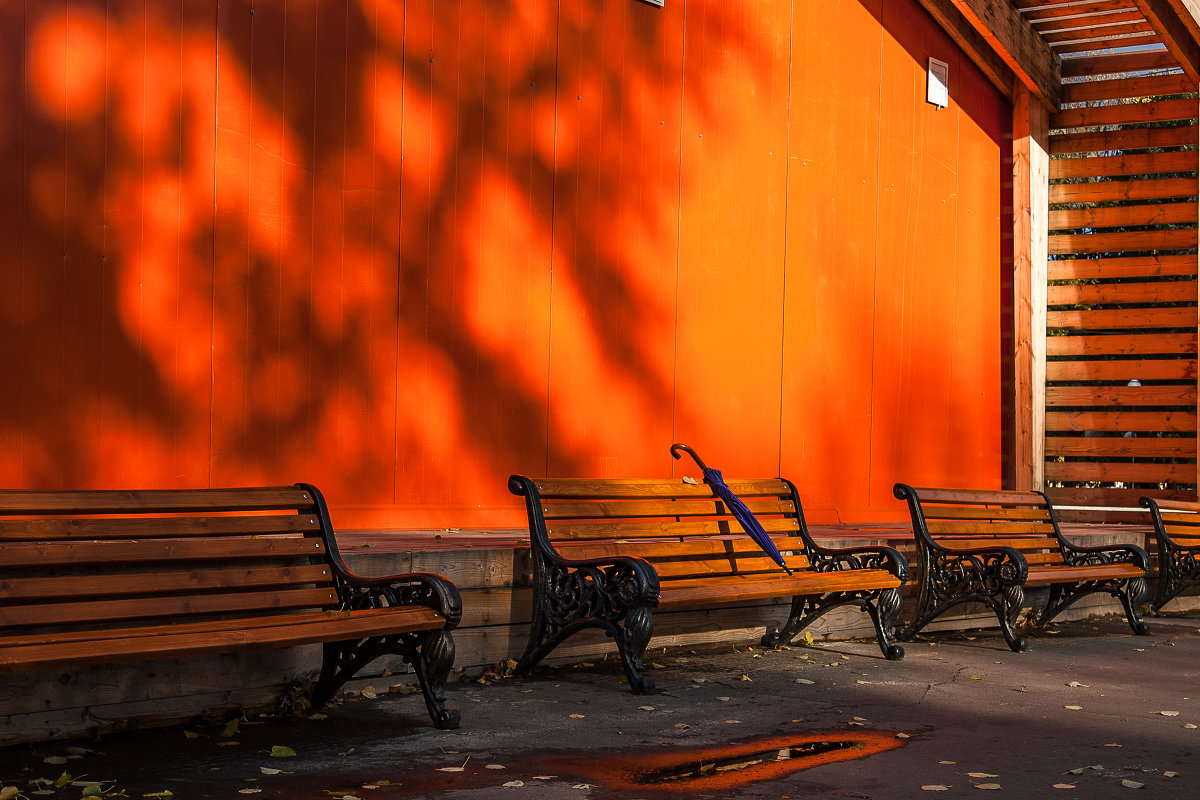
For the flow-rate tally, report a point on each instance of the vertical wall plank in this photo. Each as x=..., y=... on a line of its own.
x=616, y=189
x=733, y=193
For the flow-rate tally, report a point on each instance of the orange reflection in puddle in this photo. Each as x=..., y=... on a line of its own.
x=725, y=766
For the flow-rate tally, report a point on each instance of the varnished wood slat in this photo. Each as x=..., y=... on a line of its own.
x=93, y=528
x=566, y=531
x=107, y=611
x=1114, y=190
x=1161, y=213
x=740, y=589
x=1121, y=421
x=154, y=500
x=591, y=489
x=1190, y=506
x=1122, y=318
x=290, y=619
x=1046, y=574
x=165, y=643
x=1119, y=63
x=1001, y=527
x=670, y=571
x=1126, y=88
x=1125, y=498
x=1120, y=396
x=1173, y=369
x=691, y=549
x=974, y=542
x=1103, y=29
x=1081, y=471
x=995, y=497
x=1128, y=164
x=1119, y=447
x=1121, y=344
x=1123, y=241
x=1107, y=44
x=150, y=585
x=1082, y=16
x=1153, y=291
x=1124, y=114
x=978, y=512
x=637, y=509
x=170, y=550
x=1123, y=139
x=1065, y=269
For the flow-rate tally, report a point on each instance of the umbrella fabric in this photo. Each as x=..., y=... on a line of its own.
x=744, y=516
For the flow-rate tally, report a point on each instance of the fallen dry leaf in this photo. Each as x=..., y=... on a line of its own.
x=722, y=699
x=282, y=751
x=1170, y=774
x=544, y=777
x=269, y=771
x=981, y=775
x=988, y=786
x=576, y=716
x=249, y=791
x=805, y=681
x=495, y=766
x=747, y=678
x=582, y=786
x=1078, y=685
x=1189, y=726
x=369, y=692
x=513, y=784
x=451, y=769
x=903, y=736
x=231, y=727
x=1073, y=708
x=935, y=787
x=1064, y=786
x=733, y=722
x=975, y=677
x=1168, y=713
x=1128, y=784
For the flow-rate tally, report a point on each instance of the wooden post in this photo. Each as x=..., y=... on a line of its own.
x=1031, y=186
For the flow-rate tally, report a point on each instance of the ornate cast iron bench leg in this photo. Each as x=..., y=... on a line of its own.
x=436, y=658
x=632, y=638
x=884, y=611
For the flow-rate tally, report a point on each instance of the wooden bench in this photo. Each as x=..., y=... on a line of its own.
x=90, y=577
x=988, y=546
x=607, y=553
x=1177, y=537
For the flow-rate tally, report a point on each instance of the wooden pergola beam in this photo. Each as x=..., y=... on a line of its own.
x=1021, y=48
x=1177, y=24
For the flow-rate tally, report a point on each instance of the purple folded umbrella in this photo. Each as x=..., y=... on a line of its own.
x=741, y=513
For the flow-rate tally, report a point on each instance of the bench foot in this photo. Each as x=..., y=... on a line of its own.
x=631, y=639
x=436, y=658
x=884, y=613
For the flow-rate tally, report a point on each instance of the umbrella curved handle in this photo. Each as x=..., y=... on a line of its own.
x=675, y=448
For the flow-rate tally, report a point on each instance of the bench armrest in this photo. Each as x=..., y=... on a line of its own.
x=1006, y=565
x=633, y=580
x=1078, y=556
x=833, y=559
x=405, y=589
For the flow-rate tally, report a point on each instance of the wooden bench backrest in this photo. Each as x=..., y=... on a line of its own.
x=1181, y=521
x=968, y=518
x=110, y=558
x=682, y=528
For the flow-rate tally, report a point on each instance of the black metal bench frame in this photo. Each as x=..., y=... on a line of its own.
x=996, y=576
x=1178, y=563
x=73, y=541
x=621, y=592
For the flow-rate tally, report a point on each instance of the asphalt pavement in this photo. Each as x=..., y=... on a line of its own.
x=1090, y=711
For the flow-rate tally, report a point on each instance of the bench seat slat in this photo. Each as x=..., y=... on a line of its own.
x=166, y=550
x=1045, y=574
x=164, y=642
x=97, y=611
x=149, y=584
x=1022, y=543
x=738, y=544
x=735, y=589
x=635, y=509
x=154, y=500
x=568, y=530
x=586, y=488
x=152, y=527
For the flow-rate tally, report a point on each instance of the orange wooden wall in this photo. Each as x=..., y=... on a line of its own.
x=402, y=249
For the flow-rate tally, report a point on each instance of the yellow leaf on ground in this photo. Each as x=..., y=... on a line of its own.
x=935, y=787
x=1064, y=786
x=282, y=751
x=982, y=775
x=988, y=786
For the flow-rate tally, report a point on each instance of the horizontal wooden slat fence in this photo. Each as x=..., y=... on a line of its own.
x=1121, y=304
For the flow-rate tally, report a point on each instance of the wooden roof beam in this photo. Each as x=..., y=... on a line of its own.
x=1177, y=23
x=1014, y=40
